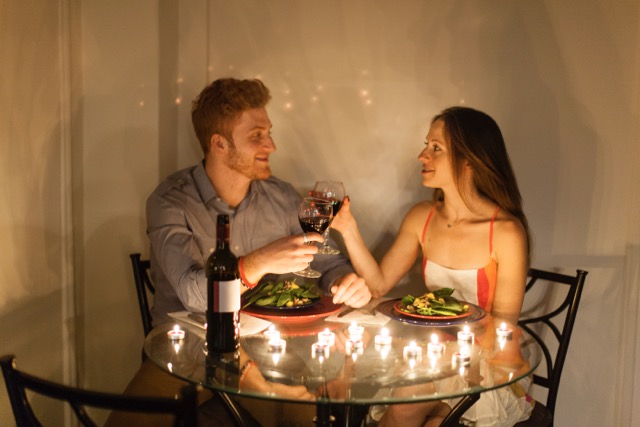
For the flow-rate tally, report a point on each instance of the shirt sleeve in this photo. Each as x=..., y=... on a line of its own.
x=176, y=252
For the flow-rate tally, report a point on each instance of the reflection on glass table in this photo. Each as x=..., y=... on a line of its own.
x=354, y=365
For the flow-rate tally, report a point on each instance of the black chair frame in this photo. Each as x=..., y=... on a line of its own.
x=569, y=305
x=184, y=407
x=143, y=285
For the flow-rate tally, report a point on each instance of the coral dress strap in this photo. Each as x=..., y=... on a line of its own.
x=426, y=224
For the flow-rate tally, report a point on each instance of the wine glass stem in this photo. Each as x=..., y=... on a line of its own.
x=326, y=238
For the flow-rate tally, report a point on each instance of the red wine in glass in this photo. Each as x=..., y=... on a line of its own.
x=317, y=224
x=314, y=216
x=337, y=204
x=332, y=191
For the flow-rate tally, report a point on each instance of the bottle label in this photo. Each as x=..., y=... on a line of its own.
x=226, y=296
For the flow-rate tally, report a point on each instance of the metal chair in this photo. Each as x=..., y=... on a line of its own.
x=144, y=288
x=183, y=408
x=565, y=312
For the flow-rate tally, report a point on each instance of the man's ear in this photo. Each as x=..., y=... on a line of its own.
x=217, y=142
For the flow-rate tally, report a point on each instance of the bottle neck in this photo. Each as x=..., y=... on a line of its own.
x=222, y=236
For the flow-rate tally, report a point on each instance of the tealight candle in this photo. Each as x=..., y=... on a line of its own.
x=434, y=346
x=271, y=333
x=412, y=351
x=327, y=337
x=384, y=351
x=465, y=336
x=176, y=333
x=319, y=349
x=504, y=332
x=354, y=347
x=277, y=345
x=460, y=359
x=383, y=339
x=355, y=332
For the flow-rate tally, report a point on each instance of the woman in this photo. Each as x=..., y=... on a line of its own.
x=473, y=236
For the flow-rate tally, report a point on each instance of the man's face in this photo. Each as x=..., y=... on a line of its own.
x=252, y=144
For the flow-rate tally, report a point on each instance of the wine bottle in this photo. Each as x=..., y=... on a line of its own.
x=223, y=294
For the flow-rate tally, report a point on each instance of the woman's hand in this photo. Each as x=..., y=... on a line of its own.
x=351, y=290
x=344, y=221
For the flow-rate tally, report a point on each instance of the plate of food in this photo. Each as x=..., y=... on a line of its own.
x=323, y=308
x=289, y=302
x=286, y=295
x=436, y=305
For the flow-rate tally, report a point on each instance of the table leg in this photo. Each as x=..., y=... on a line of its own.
x=323, y=414
x=454, y=416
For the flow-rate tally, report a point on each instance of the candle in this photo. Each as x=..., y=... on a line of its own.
x=412, y=351
x=460, y=359
x=433, y=361
x=319, y=349
x=327, y=337
x=277, y=345
x=384, y=351
x=383, y=339
x=503, y=332
x=271, y=333
x=355, y=332
x=465, y=336
x=176, y=333
x=354, y=346
x=434, y=346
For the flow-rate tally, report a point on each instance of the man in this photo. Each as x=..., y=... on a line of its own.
x=232, y=125
x=234, y=130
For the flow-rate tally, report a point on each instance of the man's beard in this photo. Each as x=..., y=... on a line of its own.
x=246, y=166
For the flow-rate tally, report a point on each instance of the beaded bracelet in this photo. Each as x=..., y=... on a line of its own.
x=245, y=370
x=243, y=278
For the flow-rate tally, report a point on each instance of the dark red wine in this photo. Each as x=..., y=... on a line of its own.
x=337, y=204
x=223, y=293
x=317, y=224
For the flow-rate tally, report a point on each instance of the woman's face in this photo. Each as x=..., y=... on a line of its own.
x=437, y=171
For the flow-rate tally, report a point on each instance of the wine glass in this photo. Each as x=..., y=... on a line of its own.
x=314, y=215
x=333, y=191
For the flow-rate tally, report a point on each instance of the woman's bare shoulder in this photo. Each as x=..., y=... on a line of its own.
x=416, y=216
x=420, y=209
x=508, y=229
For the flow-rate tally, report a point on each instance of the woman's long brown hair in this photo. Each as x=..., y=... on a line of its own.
x=474, y=137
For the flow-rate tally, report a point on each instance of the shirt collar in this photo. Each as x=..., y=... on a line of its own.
x=205, y=188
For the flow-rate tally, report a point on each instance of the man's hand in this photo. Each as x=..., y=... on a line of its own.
x=282, y=256
x=298, y=392
x=351, y=290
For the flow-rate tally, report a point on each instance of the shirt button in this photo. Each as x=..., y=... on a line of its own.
x=237, y=248
x=210, y=250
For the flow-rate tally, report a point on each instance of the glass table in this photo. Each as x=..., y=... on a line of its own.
x=363, y=366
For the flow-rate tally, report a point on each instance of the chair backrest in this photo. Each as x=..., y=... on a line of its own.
x=567, y=309
x=143, y=288
x=184, y=407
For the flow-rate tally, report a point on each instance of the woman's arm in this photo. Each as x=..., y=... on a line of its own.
x=398, y=260
x=510, y=252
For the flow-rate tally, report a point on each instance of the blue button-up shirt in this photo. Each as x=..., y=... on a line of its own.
x=181, y=225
